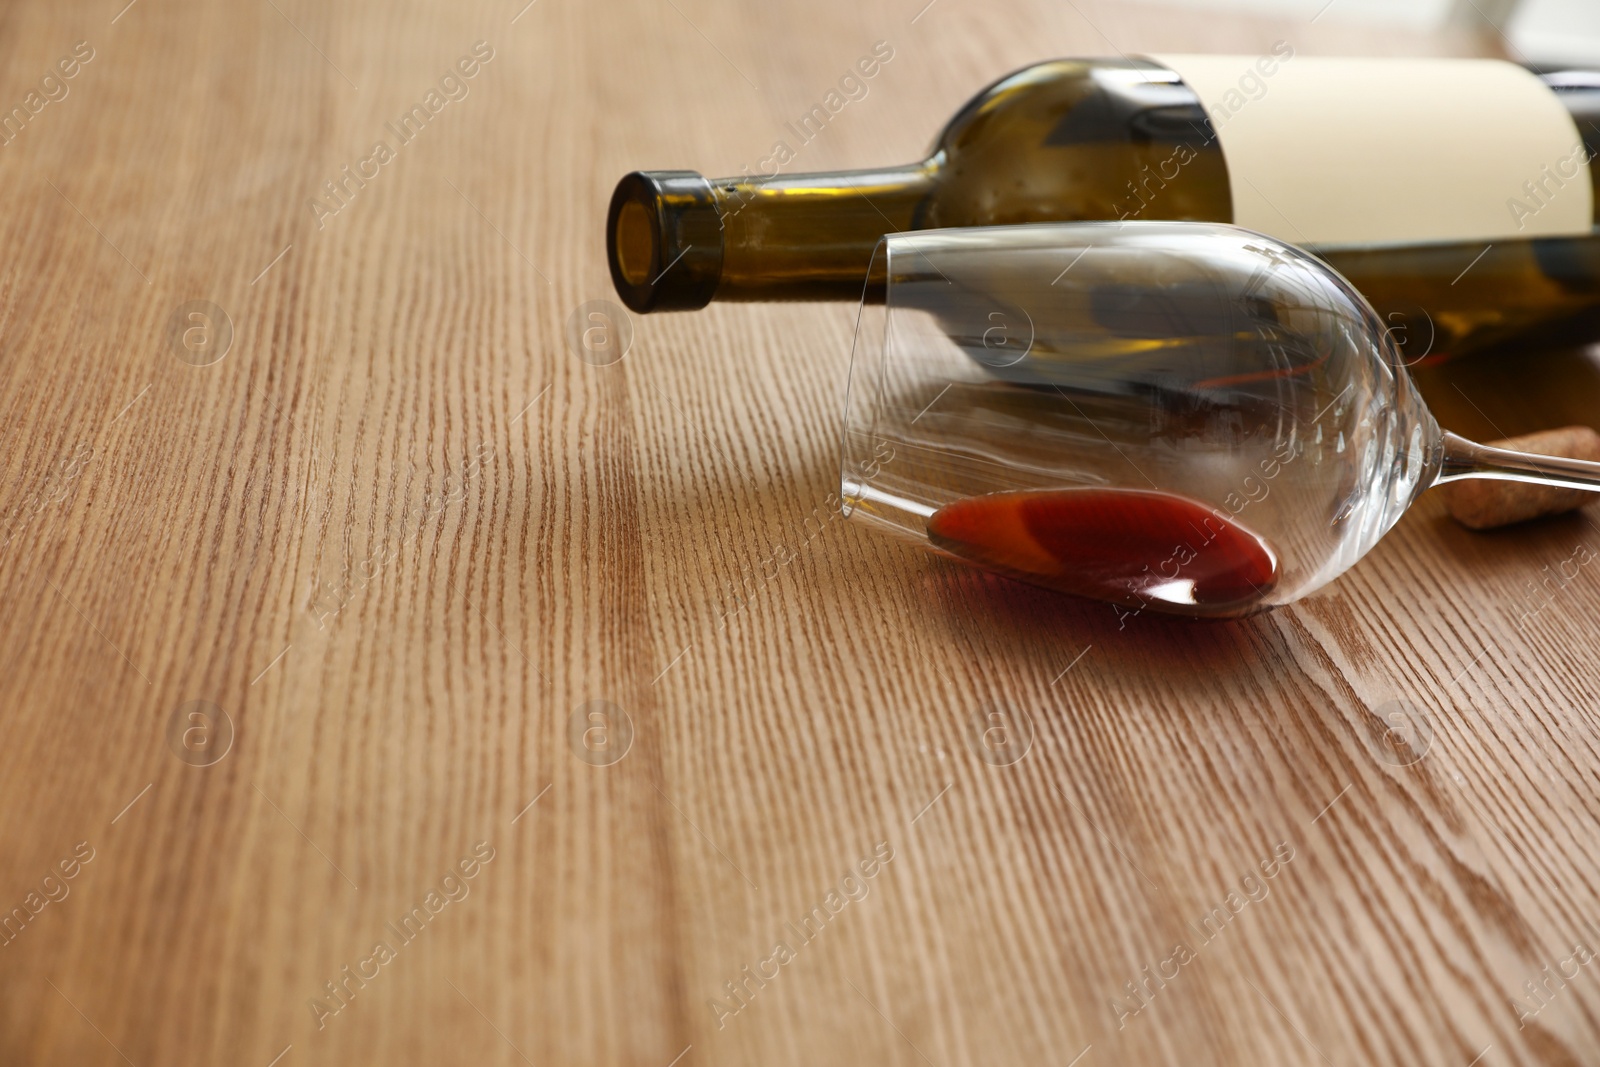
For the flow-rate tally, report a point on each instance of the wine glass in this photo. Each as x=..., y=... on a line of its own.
x=1183, y=417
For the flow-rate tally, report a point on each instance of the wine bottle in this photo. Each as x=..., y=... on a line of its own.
x=1457, y=195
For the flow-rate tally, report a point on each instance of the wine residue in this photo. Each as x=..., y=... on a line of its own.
x=1129, y=546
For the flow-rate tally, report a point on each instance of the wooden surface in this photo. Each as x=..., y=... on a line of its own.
x=399, y=534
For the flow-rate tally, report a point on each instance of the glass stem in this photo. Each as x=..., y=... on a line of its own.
x=1468, y=459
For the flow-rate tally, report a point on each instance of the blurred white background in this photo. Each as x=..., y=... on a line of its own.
x=1542, y=32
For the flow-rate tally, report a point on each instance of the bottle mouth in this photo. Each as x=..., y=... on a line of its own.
x=664, y=241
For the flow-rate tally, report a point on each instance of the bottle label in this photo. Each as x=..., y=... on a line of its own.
x=1376, y=151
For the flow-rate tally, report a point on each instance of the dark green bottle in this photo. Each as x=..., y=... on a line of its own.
x=1090, y=139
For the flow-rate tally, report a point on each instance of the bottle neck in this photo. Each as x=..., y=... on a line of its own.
x=811, y=236
x=676, y=240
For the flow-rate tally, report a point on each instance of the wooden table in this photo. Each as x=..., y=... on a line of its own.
x=306, y=624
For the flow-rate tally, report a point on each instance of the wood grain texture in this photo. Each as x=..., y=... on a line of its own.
x=399, y=534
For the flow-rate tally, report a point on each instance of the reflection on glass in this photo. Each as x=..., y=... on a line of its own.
x=1186, y=417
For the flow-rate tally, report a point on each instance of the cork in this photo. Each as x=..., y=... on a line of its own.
x=1483, y=504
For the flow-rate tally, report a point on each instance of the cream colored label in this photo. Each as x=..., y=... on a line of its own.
x=1342, y=151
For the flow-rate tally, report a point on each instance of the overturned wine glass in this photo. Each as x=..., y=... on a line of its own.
x=1183, y=417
